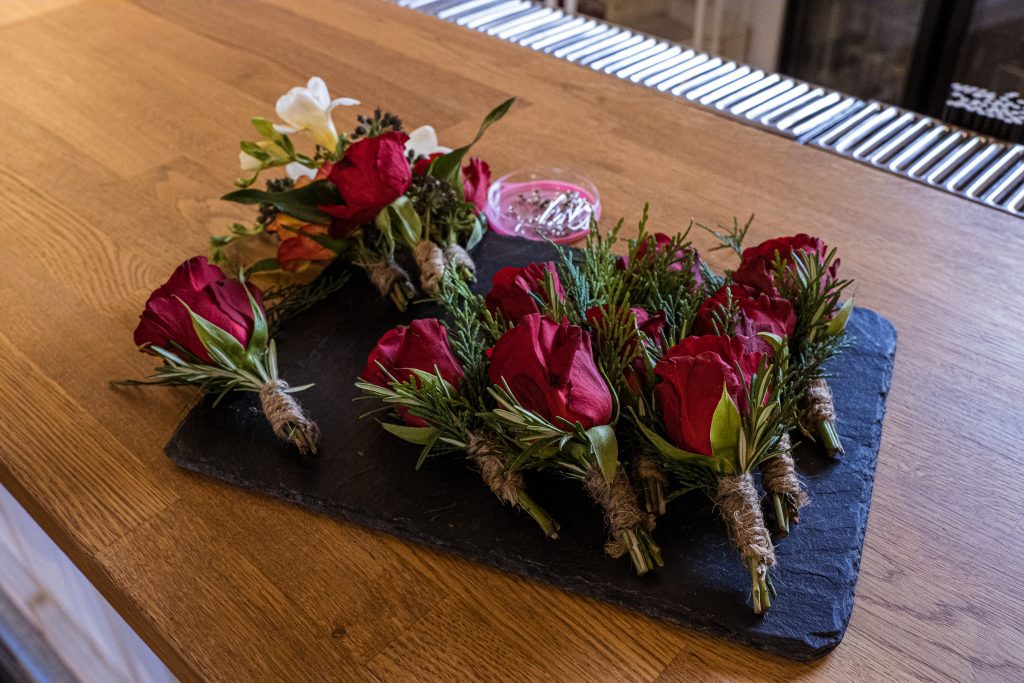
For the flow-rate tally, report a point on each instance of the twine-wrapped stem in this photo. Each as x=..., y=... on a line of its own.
x=455, y=255
x=504, y=483
x=287, y=418
x=741, y=510
x=780, y=480
x=819, y=415
x=627, y=525
x=652, y=481
x=430, y=261
x=391, y=281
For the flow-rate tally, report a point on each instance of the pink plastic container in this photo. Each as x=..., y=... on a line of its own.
x=543, y=203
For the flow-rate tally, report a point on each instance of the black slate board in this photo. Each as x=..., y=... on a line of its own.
x=366, y=476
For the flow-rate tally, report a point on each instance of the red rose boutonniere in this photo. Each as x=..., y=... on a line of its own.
x=212, y=332
x=559, y=409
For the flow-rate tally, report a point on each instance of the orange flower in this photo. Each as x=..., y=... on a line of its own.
x=297, y=252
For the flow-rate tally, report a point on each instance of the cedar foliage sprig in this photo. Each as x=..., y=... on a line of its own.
x=472, y=329
x=730, y=237
x=662, y=280
x=724, y=316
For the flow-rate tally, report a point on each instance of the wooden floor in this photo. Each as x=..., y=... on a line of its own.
x=119, y=126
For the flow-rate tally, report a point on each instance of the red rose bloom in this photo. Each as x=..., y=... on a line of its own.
x=550, y=369
x=476, y=180
x=203, y=288
x=373, y=173
x=420, y=166
x=691, y=375
x=756, y=268
x=513, y=289
x=423, y=345
x=753, y=312
x=661, y=241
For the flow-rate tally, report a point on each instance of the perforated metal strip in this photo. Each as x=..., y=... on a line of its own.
x=924, y=149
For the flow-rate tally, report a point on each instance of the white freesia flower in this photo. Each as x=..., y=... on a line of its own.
x=422, y=142
x=309, y=109
x=295, y=170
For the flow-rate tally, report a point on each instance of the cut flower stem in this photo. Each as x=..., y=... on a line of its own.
x=548, y=525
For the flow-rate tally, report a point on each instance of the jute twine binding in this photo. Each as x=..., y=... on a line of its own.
x=619, y=504
x=286, y=417
x=648, y=472
x=741, y=509
x=817, y=405
x=430, y=260
x=384, y=274
x=503, y=483
x=779, y=476
x=455, y=254
x=644, y=467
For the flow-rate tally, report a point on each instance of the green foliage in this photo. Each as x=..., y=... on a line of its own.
x=472, y=329
x=617, y=343
x=272, y=151
x=542, y=444
x=804, y=280
x=447, y=218
x=725, y=429
x=724, y=316
x=301, y=203
x=448, y=167
x=236, y=231
x=429, y=397
x=400, y=222
x=731, y=237
x=740, y=442
x=605, y=449
x=837, y=325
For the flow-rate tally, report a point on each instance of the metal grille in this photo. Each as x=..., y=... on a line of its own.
x=924, y=149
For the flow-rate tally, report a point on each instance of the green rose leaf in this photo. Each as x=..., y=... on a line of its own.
x=605, y=449
x=448, y=167
x=406, y=221
x=725, y=429
x=260, y=332
x=477, y=233
x=223, y=348
x=301, y=203
x=837, y=325
x=421, y=436
x=263, y=265
x=670, y=451
x=383, y=222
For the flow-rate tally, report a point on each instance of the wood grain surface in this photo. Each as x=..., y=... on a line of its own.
x=119, y=128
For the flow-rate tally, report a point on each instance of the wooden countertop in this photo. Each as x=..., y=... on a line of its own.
x=119, y=129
